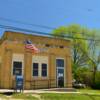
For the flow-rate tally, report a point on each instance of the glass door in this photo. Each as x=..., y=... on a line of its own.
x=60, y=72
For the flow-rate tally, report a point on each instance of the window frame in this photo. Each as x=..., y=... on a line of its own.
x=33, y=69
x=13, y=67
x=17, y=57
x=46, y=70
x=63, y=62
x=39, y=59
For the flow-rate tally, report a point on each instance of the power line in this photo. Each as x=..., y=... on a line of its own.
x=25, y=23
x=21, y=29
x=41, y=33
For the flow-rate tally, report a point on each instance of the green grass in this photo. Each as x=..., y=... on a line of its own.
x=53, y=96
x=85, y=94
x=18, y=96
x=2, y=96
x=69, y=97
x=24, y=96
x=89, y=91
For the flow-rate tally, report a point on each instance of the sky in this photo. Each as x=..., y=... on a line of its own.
x=50, y=13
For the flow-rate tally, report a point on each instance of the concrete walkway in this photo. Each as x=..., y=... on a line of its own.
x=51, y=90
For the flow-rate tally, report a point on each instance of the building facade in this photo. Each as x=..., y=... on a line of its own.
x=51, y=67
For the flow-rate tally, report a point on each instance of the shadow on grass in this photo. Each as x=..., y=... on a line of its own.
x=7, y=93
x=14, y=95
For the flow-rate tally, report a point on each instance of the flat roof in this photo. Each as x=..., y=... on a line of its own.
x=35, y=38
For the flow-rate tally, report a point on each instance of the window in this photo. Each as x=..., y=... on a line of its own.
x=35, y=69
x=61, y=47
x=60, y=63
x=47, y=45
x=40, y=66
x=44, y=70
x=17, y=68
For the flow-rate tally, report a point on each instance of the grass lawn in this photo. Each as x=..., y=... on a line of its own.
x=69, y=97
x=18, y=96
x=94, y=95
x=89, y=91
x=24, y=96
x=2, y=96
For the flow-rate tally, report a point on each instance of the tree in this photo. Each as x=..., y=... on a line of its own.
x=76, y=33
x=60, y=32
x=83, y=50
x=94, y=53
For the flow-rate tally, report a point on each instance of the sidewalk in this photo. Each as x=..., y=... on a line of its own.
x=36, y=91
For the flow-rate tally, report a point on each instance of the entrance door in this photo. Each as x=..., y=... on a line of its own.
x=60, y=72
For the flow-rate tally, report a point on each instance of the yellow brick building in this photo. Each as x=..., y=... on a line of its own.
x=49, y=68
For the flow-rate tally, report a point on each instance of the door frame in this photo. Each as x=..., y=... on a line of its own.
x=57, y=71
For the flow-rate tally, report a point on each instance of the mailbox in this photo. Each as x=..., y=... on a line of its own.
x=19, y=82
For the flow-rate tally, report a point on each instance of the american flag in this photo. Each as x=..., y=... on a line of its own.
x=31, y=47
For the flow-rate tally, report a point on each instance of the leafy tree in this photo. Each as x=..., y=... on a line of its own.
x=60, y=32
x=76, y=33
x=83, y=49
x=94, y=53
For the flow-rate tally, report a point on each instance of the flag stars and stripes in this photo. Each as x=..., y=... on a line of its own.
x=30, y=46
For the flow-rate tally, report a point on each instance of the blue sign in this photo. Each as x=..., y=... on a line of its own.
x=19, y=82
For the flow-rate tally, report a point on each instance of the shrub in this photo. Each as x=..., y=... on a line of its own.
x=96, y=84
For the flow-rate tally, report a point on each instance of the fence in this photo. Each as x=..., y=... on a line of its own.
x=41, y=83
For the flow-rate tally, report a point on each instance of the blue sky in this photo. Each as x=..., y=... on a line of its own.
x=51, y=13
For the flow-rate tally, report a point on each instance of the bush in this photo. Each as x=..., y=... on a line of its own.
x=96, y=84
x=84, y=76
